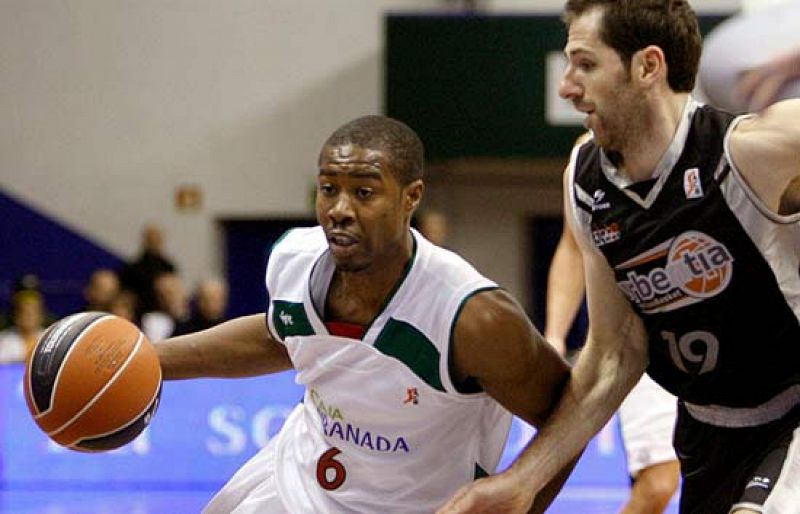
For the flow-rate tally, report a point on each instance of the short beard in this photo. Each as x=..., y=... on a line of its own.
x=628, y=132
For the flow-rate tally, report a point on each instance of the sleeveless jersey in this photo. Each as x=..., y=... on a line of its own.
x=381, y=427
x=710, y=270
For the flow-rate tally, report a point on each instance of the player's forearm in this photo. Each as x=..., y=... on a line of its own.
x=597, y=385
x=237, y=348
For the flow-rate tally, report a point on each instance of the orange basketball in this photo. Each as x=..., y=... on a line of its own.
x=92, y=382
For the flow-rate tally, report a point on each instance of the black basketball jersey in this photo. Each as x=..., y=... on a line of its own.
x=712, y=273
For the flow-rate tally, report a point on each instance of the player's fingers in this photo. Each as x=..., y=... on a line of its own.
x=747, y=83
x=767, y=92
x=459, y=503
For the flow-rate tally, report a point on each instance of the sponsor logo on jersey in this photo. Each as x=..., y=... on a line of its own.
x=286, y=318
x=597, y=201
x=335, y=426
x=757, y=481
x=680, y=271
x=606, y=234
x=363, y=437
x=323, y=408
x=412, y=396
x=691, y=183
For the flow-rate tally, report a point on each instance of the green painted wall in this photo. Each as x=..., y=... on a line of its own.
x=474, y=86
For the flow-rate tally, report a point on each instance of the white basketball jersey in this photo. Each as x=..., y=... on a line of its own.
x=381, y=427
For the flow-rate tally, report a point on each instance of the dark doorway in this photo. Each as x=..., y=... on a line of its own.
x=248, y=244
x=544, y=233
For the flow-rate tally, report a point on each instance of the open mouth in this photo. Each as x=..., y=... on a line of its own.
x=341, y=240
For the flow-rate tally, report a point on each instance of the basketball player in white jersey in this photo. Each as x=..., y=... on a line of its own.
x=413, y=362
x=688, y=220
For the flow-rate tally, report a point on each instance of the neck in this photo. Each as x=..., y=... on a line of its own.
x=641, y=155
x=357, y=296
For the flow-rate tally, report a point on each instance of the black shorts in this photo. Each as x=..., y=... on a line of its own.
x=745, y=467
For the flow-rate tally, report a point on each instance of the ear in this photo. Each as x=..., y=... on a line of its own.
x=412, y=195
x=649, y=65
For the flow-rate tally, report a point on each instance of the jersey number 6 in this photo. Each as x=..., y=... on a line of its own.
x=330, y=472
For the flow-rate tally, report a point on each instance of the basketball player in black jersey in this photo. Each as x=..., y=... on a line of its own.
x=689, y=225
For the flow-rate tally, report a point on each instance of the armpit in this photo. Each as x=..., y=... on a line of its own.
x=790, y=201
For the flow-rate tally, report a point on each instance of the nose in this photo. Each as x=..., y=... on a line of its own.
x=341, y=210
x=568, y=89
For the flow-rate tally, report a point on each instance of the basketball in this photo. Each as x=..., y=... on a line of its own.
x=92, y=382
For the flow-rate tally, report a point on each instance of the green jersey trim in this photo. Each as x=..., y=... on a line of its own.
x=405, y=343
x=471, y=387
x=397, y=285
x=290, y=319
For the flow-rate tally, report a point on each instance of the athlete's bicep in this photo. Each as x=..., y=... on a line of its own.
x=496, y=344
x=764, y=148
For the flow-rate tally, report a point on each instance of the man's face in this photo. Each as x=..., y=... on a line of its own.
x=212, y=298
x=598, y=84
x=152, y=239
x=361, y=206
x=29, y=314
x=103, y=287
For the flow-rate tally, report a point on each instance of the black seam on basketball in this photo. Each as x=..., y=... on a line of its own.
x=48, y=355
x=29, y=374
x=122, y=435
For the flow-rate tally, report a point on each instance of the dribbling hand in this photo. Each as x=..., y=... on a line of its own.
x=498, y=494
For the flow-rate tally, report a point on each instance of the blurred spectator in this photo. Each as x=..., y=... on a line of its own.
x=17, y=341
x=753, y=58
x=26, y=282
x=172, y=307
x=100, y=290
x=211, y=303
x=139, y=275
x=124, y=305
x=433, y=225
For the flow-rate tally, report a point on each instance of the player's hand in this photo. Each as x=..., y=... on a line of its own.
x=761, y=86
x=498, y=494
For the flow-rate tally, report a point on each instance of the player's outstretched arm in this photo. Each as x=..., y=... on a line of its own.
x=761, y=86
x=765, y=149
x=237, y=348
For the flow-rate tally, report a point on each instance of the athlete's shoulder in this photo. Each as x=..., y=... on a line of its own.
x=707, y=116
x=292, y=254
x=441, y=265
x=302, y=240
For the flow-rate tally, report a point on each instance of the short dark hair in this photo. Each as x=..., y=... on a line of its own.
x=630, y=25
x=397, y=139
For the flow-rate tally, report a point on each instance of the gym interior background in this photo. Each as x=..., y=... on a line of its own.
x=114, y=111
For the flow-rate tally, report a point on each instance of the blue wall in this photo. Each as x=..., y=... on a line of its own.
x=203, y=431
x=61, y=256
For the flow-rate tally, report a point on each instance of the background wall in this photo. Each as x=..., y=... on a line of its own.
x=106, y=107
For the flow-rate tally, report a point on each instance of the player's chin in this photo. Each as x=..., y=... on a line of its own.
x=348, y=261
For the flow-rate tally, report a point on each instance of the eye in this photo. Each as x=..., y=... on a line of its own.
x=586, y=65
x=326, y=188
x=364, y=193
